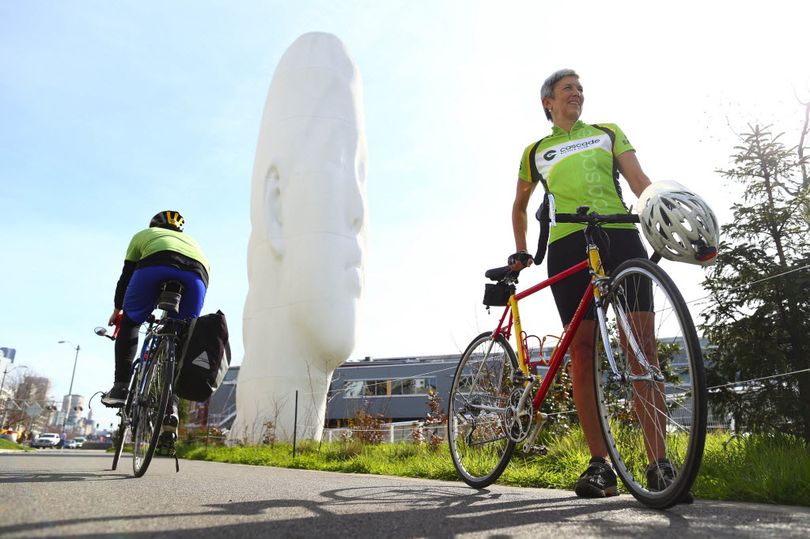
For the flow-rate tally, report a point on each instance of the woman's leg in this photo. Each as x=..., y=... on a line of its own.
x=584, y=395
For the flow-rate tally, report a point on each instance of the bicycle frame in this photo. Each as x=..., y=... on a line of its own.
x=593, y=263
x=142, y=362
x=159, y=329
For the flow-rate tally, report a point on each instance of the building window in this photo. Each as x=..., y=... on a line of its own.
x=353, y=389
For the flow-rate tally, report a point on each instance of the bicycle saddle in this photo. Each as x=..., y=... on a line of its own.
x=497, y=274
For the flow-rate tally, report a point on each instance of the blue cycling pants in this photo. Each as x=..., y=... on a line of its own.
x=144, y=290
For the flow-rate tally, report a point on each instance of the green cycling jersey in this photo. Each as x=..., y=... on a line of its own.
x=153, y=240
x=579, y=170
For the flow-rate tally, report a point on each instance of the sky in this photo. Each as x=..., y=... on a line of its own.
x=112, y=111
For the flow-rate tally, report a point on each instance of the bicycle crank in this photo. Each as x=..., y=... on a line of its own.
x=518, y=420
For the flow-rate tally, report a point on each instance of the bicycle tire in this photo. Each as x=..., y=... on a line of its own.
x=153, y=399
x=643, y=421
x=125, y=413
x=479, y=445
x=123, y=427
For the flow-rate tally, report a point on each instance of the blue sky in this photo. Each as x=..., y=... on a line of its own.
x=111, y=111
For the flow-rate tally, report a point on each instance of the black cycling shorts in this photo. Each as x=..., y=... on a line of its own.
x=615, y=246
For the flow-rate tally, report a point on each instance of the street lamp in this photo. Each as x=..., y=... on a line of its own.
x=2, y=384
x=70, y=391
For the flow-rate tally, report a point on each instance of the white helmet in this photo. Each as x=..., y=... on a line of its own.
x=678, y=224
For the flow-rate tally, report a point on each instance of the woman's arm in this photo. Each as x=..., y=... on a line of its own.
x=519, y=218
x=631, y=170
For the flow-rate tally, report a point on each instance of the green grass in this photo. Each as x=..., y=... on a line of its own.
x=771, y=468
x=8, y=444
x=761, y=468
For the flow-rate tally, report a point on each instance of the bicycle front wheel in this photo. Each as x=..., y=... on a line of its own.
x=151, y=403
x=120, y=436
x=652, y=409
x=125, y=413
x=476, y=416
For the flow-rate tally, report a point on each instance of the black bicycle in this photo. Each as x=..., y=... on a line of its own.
x=150, y=387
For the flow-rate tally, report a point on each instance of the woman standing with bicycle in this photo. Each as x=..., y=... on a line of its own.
x=579, y=165
x=156, y=254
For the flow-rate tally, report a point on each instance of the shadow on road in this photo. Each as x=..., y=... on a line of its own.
x=429, y=512
x=57, y=477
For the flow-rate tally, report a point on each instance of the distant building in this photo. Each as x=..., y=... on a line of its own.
x=394, y=389
x=220, y=410
x=33, y=390
x=74, y=406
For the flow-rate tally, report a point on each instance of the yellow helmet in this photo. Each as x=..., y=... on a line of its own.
x=168, y=219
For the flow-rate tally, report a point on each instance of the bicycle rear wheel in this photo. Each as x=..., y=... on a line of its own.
x=476, y=415
x=151, y=403
x=653, y=413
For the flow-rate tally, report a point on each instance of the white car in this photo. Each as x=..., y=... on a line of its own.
x=48, y=439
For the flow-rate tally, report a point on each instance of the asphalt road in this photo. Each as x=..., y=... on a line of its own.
x=71, y=493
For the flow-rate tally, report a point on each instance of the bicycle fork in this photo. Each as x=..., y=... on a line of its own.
x=625, y=327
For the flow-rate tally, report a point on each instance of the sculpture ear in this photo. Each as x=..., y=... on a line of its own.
x=274, y=226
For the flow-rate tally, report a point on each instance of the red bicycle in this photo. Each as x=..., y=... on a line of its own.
x=648, y=376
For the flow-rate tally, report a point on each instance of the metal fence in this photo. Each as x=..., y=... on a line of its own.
x=404, y=431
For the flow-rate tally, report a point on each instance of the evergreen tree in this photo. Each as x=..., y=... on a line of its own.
x=759, y=320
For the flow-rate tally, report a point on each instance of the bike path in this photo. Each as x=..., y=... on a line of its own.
x=72, y=493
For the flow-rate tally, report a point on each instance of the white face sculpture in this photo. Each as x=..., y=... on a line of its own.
x=311, y=170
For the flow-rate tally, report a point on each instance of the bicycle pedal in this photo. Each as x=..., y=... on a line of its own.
x=536, y=450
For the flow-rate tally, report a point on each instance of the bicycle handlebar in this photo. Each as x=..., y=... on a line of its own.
x=582, y=216
x=102, y=331
x=595, y=218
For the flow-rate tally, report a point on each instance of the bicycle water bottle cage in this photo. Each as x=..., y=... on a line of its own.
x=170, y=294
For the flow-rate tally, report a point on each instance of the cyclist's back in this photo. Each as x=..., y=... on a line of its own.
x=160, y=253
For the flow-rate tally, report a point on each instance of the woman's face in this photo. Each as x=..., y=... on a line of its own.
x=567, y=100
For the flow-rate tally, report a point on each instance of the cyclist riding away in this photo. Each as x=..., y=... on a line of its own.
x=155, y=255
x=578, y=164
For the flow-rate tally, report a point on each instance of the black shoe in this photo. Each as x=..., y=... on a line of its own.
x=598, y=481
x=165, y=445
x=660, y=475
x=117, y=396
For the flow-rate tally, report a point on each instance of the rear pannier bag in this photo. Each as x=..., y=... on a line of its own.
x=205, y=358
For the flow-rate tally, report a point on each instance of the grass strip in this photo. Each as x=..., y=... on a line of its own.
x=771, y=468
x=8, y=444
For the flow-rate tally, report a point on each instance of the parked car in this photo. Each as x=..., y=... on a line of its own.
x=71, y=444
x=79, y=440
x=48, y=439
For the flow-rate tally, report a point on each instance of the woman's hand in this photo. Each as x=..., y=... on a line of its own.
x=520, y=260
x=115, y=316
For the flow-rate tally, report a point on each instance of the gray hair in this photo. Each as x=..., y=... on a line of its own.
x=547, y=90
